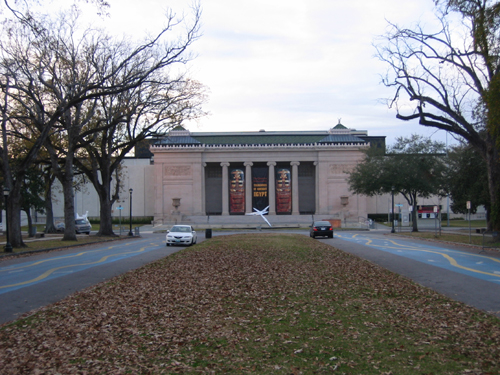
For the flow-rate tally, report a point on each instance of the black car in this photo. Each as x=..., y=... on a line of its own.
x=321, y=228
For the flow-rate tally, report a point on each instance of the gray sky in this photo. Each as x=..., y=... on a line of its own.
x=289, y=64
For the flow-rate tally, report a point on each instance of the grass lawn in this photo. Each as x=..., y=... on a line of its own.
x=255, y=303
x=463, y=238
x=465, y=223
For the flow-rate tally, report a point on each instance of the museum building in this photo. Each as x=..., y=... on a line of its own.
x=218, y=177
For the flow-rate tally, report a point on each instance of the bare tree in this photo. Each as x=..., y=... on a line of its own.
x=23, y=11
x=448, y=78
x=57, y=73
x=161, y=103
x=19, y=74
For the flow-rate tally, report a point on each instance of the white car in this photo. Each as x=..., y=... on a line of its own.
x=181, y=235
x=81, y=226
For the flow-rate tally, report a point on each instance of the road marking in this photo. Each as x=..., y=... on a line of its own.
x=59, y=258
x=53, y=270
x=400, y=247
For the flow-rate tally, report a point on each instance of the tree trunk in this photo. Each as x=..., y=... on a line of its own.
x=493, y=164
x=69, y=202
x=105, y=199
x=414, y=217
x=30, y=223
x=49, y=212
x=106, y=228
x=14, y=217
x=49, y=216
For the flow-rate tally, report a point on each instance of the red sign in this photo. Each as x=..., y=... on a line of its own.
x=237, y=192
x=283, y=191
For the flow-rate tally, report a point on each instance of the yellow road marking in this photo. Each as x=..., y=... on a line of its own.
x=450, y=259
x=51, y=271
x=455, y=251
x=7, y=269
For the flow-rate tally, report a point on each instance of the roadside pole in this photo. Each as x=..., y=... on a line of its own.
x=440, y=220
x=468, y=210
x=120, y=208
x=400, y=217
x=435, y=220
x=410, y=208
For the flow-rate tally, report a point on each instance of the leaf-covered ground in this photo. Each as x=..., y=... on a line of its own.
x=267, y=303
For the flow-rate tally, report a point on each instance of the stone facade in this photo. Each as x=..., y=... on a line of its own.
x=206, y=179
x=302, y=174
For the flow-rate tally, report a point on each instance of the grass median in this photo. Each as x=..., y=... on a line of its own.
x=255, y=303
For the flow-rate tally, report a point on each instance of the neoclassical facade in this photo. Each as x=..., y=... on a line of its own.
x=209, y=179
x=220, y=177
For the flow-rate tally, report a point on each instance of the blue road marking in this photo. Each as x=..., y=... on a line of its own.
x=475, y=265
x=28, y=273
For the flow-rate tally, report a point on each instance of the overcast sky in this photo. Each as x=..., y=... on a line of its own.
x=289, y=64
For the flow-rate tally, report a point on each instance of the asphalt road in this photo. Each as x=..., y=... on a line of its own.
x=458, y=272
x=29, y=283
x=462, y=273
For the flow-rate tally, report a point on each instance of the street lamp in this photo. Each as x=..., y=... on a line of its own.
x=8, y=246
x=392, y=210
x=130, y=234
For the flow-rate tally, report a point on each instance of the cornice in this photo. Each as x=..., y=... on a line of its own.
x=258, y=147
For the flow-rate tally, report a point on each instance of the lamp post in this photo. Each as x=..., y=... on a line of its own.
x=392, y=210
x=130, y=234
x=8, y=246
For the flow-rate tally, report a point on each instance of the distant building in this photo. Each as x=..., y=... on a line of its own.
x=214, y=178
x=222, y=176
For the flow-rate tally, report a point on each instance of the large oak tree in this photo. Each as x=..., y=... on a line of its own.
x=467, y=179
x=414, y=167
x=448, y=77
x=53, y=74
x=125, y=120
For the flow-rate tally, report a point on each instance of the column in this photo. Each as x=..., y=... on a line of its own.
x=203, y=190
x=225, y=189
x=159, y=190
x=272, y=187
x=248, y=186
x=295, y=187
x=316, y=188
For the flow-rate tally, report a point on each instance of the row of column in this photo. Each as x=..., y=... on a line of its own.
x=271, y=187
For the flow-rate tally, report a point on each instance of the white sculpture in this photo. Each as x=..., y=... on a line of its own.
x=84, y=217
x=261, y=213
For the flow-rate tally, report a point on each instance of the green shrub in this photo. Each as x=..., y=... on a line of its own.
x=144, y=220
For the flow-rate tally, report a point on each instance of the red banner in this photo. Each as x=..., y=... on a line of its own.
x=237, y=191
x=283, y=191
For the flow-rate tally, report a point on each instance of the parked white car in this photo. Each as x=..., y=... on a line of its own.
x=181, y=235
x=81, y=226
